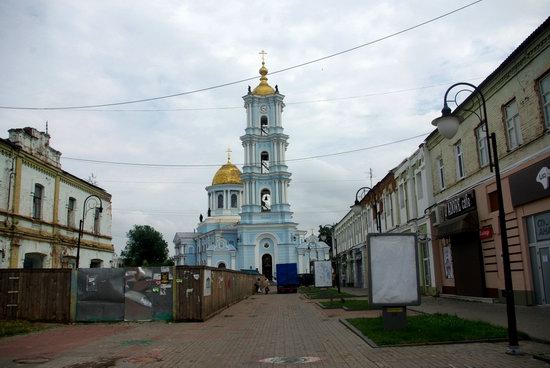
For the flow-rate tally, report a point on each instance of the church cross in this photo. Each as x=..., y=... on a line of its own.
x=229, y=154
x=263, y=53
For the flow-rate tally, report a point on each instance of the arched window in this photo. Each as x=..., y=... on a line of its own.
x=233, y=200
x=220, y=200
x=266, y=200
x=37, y=199
x=221, y=265
x=263, y=125
x=264, y=159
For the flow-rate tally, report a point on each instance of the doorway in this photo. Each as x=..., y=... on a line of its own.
x=539, y=251
x=267, y=266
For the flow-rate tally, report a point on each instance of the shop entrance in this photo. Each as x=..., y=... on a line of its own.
x=539, y=250
x=468, y=264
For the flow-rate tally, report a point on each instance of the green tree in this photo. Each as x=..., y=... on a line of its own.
x=327, y=232
x=145, y=247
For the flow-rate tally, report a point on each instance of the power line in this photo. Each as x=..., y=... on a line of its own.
x=374, y=94
x=240, y=164
x=251, y=78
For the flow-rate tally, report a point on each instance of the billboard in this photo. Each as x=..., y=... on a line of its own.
x=393, y=269
x=323, y=273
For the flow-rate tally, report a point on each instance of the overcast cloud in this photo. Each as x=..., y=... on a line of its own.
x=70, y=53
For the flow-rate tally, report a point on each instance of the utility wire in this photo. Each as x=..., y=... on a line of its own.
x=251, y=78
x=240, y=164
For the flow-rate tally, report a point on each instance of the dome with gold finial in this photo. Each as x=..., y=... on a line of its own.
x=228, y=173
x=263, y=89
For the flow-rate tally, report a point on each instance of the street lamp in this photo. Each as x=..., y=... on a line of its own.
x=91, y=205
x=357, y=207
x=334, y=254
x=447, y=125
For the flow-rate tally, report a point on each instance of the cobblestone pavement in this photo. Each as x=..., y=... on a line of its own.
x=283, y=326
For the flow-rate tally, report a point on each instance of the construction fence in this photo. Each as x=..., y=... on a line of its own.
x=182, y=293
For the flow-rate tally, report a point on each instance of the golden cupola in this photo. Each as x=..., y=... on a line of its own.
x=227, y=174
x=263, y=89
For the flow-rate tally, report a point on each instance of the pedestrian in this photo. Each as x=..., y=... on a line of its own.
x=257, y=284
x=265, y=284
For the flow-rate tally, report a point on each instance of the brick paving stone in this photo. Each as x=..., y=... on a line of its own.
x=266, y=326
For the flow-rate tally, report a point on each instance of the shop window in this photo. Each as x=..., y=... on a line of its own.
x=513, y=128
x=37, y=199
x=545, y=97
x=493, y=201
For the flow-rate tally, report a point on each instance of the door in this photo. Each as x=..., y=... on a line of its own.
x=467, y=264
x=267, y=267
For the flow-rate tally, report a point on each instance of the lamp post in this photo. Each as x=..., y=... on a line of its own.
x=447, y=124
x=335, y=253
x=90, y=205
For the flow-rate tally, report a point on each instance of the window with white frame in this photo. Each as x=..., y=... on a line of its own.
x=37, y=199
x=459, y=155
x=419, y=186
x=401, y=195
x=513, y=129
x=482, y=146
x=545, y=96
x=441, y=173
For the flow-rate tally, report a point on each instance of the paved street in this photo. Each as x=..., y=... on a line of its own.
x=259, y=328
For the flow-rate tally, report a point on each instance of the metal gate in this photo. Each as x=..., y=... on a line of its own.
x=148, y=293
x=100, y=294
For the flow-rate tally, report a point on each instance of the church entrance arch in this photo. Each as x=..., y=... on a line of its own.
x=267, y=266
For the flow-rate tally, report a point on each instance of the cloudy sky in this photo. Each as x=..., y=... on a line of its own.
x=79, y=53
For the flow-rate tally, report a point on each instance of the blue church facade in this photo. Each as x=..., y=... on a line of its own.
x=249, y=224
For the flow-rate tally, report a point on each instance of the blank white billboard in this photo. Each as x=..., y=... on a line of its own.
x=393, y=269
x=323, y=273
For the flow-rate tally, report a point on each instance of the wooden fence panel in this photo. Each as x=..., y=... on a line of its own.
x=35, y=294
x=201, y=292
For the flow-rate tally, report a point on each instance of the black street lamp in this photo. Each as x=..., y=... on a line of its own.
x=447, y=125
x=91, y=205
x=357, y=207
x=335, y=253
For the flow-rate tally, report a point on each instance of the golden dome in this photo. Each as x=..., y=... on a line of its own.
x=263, y=89
x=227, y=174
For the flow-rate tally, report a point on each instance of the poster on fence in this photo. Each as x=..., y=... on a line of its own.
x=207, y=282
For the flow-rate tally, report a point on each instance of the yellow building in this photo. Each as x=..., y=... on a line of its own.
x=41, y=207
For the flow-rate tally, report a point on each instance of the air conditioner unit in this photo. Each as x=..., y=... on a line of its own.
x=438, y=215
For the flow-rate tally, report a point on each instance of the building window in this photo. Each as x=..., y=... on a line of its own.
x=97, y=221
x=441, y=173
x=482, y=146
x=513, y=129
x=34, y=260
x=263, y=125
x=96, y=263
x=37, y=199
x=459, y=160
x=493, y=201
x=266, y=200
x=71, y=212
x=220, y=200
x=402, y=196
x=419, y=186
x=221, y=265
x=264, y=159
x=233, y=200
x=545, y=95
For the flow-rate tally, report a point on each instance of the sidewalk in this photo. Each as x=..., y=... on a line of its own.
x=256, y=332
x=534, y=321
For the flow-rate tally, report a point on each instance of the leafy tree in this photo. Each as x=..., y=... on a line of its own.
x=145, y=247
x=327, y=232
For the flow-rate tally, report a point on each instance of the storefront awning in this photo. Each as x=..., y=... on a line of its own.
x=460, y=224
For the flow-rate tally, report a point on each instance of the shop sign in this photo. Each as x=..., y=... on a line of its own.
x=531, y=183
x=486, y=232
x=542, y=226
x=461, y=203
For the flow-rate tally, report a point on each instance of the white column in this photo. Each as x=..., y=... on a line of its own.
x=209, y=261
x=233, y=262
